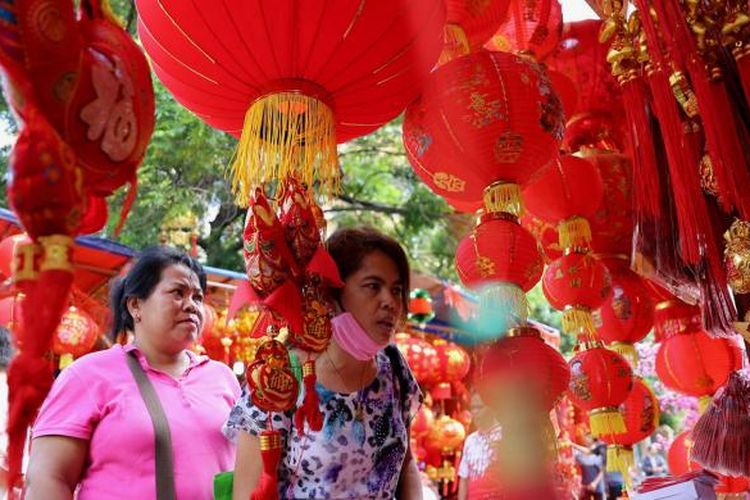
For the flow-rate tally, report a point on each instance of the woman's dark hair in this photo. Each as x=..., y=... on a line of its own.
x=142, y=279
x=349, y=247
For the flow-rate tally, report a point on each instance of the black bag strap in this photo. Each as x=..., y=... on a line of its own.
x=397, y=368
x=162, y=438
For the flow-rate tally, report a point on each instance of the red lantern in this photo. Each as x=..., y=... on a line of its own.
x=523, y=359
x=446, y=436
x=674, y=317
x=696, y=364
x=75, y=336
x=494, y=111
x=470, y=24
x=423, y=422
x=532, y=26
x=627, y=315
x=454, y=362
x=316, y=75
x=678, y=456
x=600, y=381
x=566, y=90
x=595, y=130
x=420, y=356
x=576, y=284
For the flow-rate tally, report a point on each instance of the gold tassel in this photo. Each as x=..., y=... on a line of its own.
x=503, y=197
x=604, y=421
x=66, y=360
x=703, y=403
x=506, y=299
x=577, y=320
x=455, y=43
x=574, y=234
x=625, y=350
x=286, y=134
x=620, y=459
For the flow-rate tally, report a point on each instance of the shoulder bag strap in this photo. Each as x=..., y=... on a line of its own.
x=162, y=438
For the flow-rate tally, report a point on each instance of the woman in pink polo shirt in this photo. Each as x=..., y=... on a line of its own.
x=95, y=432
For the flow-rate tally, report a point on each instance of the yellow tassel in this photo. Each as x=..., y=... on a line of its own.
x=604, y=421
x=577, y=320
x=286, y=134
x=455, y=43
x=626, y=350
x=574, y=234
x=66, y=360
x=620, y=459
x=703, y=403
x=503, y=197
x=506, y=300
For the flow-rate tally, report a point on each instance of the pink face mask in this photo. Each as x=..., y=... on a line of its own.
x=352, y=338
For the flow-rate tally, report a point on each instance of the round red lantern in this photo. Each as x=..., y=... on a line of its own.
x=627, y=315
x=532, y=26
x=446, y=436
x=595, y=130
x=673, y=317
x=453, y=362
x=494, y=111
x=523, y=360
x=75, y=336
x=470, y=24
x=577, y=284
x=695, y=364
x=420, y=356
x=423, y=422
x=566, y=90
x=678, y=456
x=600, y=381
x=316, y=74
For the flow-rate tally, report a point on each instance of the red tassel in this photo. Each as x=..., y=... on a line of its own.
x=310, y=409
x=722, y=435
x=270, y=452
x=743, y=68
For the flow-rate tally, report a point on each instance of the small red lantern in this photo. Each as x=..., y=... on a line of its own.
x=532, y=26
x=577, y=284
x=627, y=315
x=523, y=359
x=446, y=436
x=600, y=381
x=696, y=364
x=423, y=422
x=420, y=356
x=674, y=317
x=678, y=456
x=454, y=362
x=469, y=25
x=600, y=131
x=75, y=336
x=420, y=306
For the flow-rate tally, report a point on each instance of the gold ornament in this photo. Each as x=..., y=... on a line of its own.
x=737, y=256
x=708, y=180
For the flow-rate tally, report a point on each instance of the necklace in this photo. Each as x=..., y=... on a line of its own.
x=359, y=412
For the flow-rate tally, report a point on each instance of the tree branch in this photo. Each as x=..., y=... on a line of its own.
x=365, y=206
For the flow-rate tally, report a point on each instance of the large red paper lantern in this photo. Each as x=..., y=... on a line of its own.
x=298, y=77
x=493, y=112
x=678, y=456
x=696, y=364
x=75, y=336
x=577, y=284
x=600, y=381
x=420, y=356
x=470, y=24
x=627, y=315
x=523, y=360
x=532, y=26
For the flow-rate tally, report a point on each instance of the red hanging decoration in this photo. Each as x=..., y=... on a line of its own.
x=674, y=317
x=679, y=455
x=470, y=24
x=75, y=335
x=420, y=356
x=532, y=26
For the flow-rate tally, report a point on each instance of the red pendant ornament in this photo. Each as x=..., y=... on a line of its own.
x=532, y=26
x=470, y=24
x=453, y=362
x=317, y=74
x=600, y=381
x=420, y=356
x=75, y=336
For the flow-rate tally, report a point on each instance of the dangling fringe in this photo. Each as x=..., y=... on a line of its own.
x=502, y=306
x=743, y=68
x=286, y=133
x=620, y=459
x=606, y=421
x=721, y=436
x=455, y=44
x=703, y=403
x=310, y=410
x=574, y=234
x=270, y=452
x=579, y=321
x=625, y=350
x=503, y=197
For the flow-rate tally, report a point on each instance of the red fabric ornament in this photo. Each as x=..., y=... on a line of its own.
x=600, y=381
x=75, y=336
x=499, y=250
x=470, y=24
x=274, y=387
x=678, y=456
x=317, y=74
x=532, y=26
x=695, y=364
x=526, y=360
x=420, y=356
x=627, y=315
x=453, y=362
x=494, y=111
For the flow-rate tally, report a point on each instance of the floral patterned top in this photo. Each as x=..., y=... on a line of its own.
x=362, y=446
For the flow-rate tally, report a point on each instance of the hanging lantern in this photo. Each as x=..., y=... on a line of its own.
x=469, y=25
x=678, y=456
x=420, y=306
x=445, y=436
x=453, y=364
x=600, y=381
x=576, y=284
x=494, y=111
x=75, y=336
x=566, y=90
x=673, y=317
x=523, y=360
x=420, y=356
x=627, y=315
x=316, y=75
x=640, y=411
x=696, y=364
x=532, y=26
x=423, y=422
x=545, y=233
x=595, y=131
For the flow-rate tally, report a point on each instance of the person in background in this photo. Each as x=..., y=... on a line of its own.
x=95, y=432
x=478, y=454
x=591, y=462
x=653, y=463
x=367, y=393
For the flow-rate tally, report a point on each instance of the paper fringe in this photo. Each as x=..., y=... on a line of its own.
x=606, y=421
x=620, y=459
x=579, y=321
x=286, y=133
x=625, y=350
x=455, y=45
x=507, y=299
x=503, y=197
x=575, y=234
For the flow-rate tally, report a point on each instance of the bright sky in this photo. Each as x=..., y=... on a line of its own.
x=576, y=10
